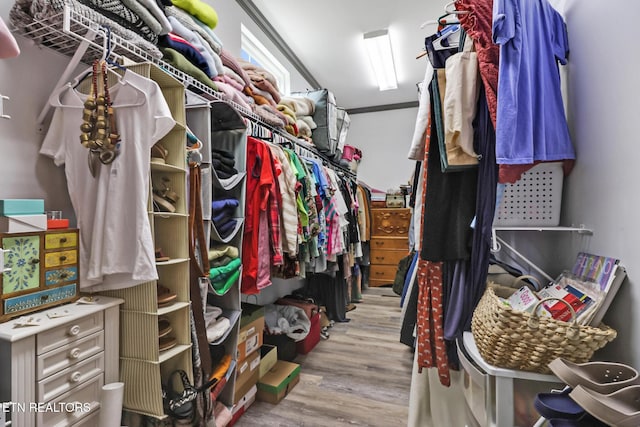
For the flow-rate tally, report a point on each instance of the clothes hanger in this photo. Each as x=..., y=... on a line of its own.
x=108, y=52
x=106, y=56
x=454, y=11
x=448, y=40
x=448, y=12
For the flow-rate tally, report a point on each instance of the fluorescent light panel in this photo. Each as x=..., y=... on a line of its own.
x=378, y=45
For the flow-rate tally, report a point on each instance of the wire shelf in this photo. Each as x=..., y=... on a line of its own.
x=69, y=31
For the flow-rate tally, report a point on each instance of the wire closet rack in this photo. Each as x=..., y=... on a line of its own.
x=77, y=36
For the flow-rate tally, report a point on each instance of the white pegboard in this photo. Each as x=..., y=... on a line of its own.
x=533, y=200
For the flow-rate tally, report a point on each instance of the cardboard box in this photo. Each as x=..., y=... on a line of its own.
x=278, y=382
x=250, y=313
x=245, y=401
x=22, y=207
x=247, y=375
x=242, y=406
x=23, y=223
x=251, y=328
x=268, y=358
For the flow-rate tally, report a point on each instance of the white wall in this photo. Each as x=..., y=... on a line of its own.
x=230, y=16
x=603, y=105
x=28, y=80
x=384, y=138
x=602, y=94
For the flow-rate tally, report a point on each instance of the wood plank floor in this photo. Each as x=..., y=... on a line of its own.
x=360, y=376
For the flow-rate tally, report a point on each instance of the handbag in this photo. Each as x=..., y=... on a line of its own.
x=401, y=273
x=178, y=399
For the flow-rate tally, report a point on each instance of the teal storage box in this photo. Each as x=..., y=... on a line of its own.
x=21, y=206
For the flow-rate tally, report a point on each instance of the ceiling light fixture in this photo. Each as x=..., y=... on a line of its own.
x=378, y=45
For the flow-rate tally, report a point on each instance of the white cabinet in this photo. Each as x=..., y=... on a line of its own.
x=60, y=362
x=499, y=397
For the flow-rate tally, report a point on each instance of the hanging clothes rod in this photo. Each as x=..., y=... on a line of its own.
x=74, y=35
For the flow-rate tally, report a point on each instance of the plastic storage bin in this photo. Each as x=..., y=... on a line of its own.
x=533, y=200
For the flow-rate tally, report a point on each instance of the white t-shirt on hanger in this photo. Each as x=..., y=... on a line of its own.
x=116, y=244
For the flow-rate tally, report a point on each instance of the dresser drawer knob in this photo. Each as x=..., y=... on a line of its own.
x=74, y=330
x=76, y=376
x=379, y=258
x=63, y=240
x=63, y=258
x=74, y=353
x=75, y=413
x=379, y=273
x=34, y=261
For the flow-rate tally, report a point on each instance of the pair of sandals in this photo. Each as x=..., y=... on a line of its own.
x=599, y=394
x=159, y=154
x=164, y=199
x=165, y=339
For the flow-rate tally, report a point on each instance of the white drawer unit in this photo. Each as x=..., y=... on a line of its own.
x=53, y=370
x=68, y=355
x=69, y=408
x=69, y=378
x=69, y=332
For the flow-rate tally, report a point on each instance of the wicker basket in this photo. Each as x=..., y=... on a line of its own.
x=519, y=340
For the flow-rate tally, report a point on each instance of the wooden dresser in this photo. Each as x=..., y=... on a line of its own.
x=389, y=243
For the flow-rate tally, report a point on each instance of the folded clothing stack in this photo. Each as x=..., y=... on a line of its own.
x=222, y=278
x=301, y=110
x=216, y=324
x=223, y=162
x=225, y=267
x=221, y=255
x=223, y=216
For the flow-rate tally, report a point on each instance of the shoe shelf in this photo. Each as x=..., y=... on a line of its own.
x=142, y=341
x=173, y=307
x=172, y=261
x=173, y=352
x=144, y=366
x=158, y=168
x=169, y=190
x=170, y=234
x=166, y=215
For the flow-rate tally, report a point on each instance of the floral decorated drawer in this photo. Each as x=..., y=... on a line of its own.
x=23, y=262
x=42, y=271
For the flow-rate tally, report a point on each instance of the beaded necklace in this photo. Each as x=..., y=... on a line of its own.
x=98, y=129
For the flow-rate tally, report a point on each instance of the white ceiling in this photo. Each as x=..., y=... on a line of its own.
x=326, y=35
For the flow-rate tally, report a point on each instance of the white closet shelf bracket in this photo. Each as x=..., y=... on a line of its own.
x=2, y=114
x=497, y=242
x=85, y=41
